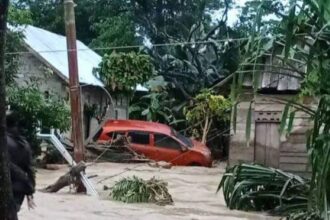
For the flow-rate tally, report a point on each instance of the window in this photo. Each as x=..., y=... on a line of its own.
x=139, y=137
x=115, y=134
x=165, y=141
x=185, y=140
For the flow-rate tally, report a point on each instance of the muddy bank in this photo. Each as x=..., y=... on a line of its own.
x=193, y=190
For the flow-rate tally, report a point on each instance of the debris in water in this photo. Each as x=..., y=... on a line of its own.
x=137, y=190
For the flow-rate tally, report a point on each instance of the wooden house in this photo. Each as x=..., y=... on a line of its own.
x=267, y=146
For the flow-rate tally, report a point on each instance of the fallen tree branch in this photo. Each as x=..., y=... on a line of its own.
x=118, y=150
x=70, y=178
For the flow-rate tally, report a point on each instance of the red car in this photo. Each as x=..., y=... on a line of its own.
x=158, y=142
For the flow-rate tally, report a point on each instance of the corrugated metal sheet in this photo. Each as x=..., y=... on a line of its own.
x=51, y=48
x=276, y=76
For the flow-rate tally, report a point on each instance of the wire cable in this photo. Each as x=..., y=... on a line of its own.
x=138, y=46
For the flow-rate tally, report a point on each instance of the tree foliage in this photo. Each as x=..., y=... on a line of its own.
x=156, y=107
x=17, y=16
x=164, y=20
x=270, y=12
x=29, y=102
x=37, y=111
x=14, y=41
x=207, y=54
x=97, y=22
x=206, y=108
x=114, y=31
x=123, y=71
x=122, y=23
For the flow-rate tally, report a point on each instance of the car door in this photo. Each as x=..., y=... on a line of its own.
x=168, y=149
x=140, y=142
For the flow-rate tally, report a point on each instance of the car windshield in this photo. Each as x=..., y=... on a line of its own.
x=187, y=141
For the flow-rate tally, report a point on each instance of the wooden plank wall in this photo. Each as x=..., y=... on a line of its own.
x=292, y=154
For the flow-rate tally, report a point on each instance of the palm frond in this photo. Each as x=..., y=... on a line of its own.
x=258, y=188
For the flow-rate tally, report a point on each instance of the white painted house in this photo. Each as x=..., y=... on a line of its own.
x=46, y=64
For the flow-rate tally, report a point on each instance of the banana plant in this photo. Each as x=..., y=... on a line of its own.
x=156, y=107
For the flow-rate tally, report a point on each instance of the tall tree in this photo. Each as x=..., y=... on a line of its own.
x=162, y=20
x=270, y=12
x=48, y=15
x=7, y=211
x=113, y=23
x=191, y=66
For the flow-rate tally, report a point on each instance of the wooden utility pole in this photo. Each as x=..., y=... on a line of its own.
x=75, y=98
x=7, y=208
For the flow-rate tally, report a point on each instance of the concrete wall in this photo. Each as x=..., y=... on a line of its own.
x=121, y=104
x=32, y=70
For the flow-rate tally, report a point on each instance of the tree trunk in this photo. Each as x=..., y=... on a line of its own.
x=70, y=178
x=205, y=130
x=7, y=208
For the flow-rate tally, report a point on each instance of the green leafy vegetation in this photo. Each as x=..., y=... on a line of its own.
x=295, y=33
x=154, y=107
x=187, y=69
x=258, y=188
x=137, y=190
x=123, y=71
x=298, y=41
x=36, y=110
x=206, y=108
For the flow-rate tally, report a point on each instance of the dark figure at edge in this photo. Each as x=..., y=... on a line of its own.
x=21, y=171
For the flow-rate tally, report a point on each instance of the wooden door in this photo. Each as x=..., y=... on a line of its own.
x=267, y=144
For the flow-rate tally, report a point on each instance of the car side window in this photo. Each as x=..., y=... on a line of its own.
x=115, y=134
x=139, y=137
x=165, y=141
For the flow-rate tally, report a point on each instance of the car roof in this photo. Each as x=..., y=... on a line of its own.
x=136, y=125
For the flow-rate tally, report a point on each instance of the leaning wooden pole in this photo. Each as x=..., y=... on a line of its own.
x=7, y=209
x=75, y=98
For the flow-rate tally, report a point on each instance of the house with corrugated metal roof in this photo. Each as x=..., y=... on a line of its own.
x=277, y=83
x=46, y=64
